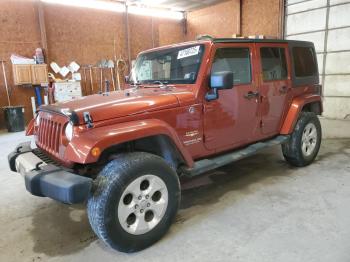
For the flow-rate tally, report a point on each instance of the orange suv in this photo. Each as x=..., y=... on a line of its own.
x=187, y=109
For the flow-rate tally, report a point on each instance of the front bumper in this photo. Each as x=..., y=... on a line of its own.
x=48, y=180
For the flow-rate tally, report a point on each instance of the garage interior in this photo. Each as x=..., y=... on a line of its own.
x=256, y=209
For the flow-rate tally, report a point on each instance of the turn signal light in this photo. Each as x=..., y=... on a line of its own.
x=95, y=151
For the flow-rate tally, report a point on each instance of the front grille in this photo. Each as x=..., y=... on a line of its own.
x=48, y=136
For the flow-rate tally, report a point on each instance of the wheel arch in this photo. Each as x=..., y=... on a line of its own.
x=160, y=145
x=315, y=107
x=305, y=103
x=151, y=135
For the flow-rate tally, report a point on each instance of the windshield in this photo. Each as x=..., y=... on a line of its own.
x=178, y=65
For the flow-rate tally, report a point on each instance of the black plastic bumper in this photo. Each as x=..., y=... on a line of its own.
x=42, y=179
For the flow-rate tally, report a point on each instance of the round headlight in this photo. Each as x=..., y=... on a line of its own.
x=37, y=120
x=69, y=131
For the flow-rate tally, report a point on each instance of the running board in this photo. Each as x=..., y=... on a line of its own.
x=205, y=165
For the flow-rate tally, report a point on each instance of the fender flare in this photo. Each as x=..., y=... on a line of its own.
x=79, y=149
x=295, y=108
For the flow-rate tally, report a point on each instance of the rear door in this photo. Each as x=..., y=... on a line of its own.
x=232, y=119
x=275, y=85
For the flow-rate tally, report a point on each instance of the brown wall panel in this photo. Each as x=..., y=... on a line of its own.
x=80, y=34
x=170, y=32
x=221, y=20
x=224, y=19
x=20, y=34
x=140, y=34
x=165, y=32
x=261, y=17
x=84, y=35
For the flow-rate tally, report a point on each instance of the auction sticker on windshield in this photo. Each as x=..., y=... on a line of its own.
x=194, y=50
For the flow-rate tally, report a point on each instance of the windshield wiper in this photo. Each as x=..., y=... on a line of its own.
x=135, y=84
x=161, y=84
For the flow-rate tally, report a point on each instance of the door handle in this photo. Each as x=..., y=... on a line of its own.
x=283, y=89
x=251, y=95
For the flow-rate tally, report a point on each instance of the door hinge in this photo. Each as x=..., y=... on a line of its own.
x=208, y=108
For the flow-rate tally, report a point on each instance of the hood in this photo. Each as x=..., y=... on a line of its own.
x=115, y=104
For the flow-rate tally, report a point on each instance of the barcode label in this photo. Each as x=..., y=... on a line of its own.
x=192, y=51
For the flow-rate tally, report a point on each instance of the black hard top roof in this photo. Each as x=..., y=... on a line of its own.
x=291, y=43
x=255, y=40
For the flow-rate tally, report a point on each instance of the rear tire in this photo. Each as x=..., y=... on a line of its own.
x=305, y=141
x=135, y=201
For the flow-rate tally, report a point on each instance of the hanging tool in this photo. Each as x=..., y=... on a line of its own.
x=114, y=50
x=99, y=65
x=107, y=86
x=38, y=95
x=91, y=80
x=32, y=99
x=96, y=73
x=85, y=81
x=120, y=68
x=110, y=65
x=6, y=86
x=101, y=78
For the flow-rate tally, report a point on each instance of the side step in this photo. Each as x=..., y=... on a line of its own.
x=205, y=165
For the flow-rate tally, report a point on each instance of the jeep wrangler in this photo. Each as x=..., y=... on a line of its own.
x=186, y=109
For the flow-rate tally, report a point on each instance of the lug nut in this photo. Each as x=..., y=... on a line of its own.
x=147, y=196
x=139, y=197
x=148, y=204
x=141, y=210
x=136, y=206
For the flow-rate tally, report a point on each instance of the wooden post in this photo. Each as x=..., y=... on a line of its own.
x=127, y=36
x=5, y=81
x=42, y=26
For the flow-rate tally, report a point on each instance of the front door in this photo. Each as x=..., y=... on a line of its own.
x=232, y=120
x=274, y=86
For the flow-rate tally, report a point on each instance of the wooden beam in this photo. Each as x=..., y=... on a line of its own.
x=281, y=21
x=240, y=17
x=41, y=15
x=127, y=36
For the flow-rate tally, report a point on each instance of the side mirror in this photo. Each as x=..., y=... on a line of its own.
x=219, y=81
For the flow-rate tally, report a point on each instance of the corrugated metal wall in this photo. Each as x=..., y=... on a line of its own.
x=327, y=24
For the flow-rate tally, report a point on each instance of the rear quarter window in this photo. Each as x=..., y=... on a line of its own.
x=274, y=65
x=304, y=62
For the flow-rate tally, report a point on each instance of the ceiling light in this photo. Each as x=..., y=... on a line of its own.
x=101, y=5
x=117, y=7
x=152, y=2
x=155, y=12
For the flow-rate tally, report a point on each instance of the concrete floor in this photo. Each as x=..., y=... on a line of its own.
x=258, y=209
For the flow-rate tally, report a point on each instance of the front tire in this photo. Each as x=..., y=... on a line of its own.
x=135, y=201
x=305, y=141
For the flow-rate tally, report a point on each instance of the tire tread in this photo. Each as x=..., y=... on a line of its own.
x=110, y=179
x=292, y=149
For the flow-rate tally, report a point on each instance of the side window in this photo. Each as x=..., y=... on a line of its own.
x=236, y=60
x=304, y=62
x=274, y=65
